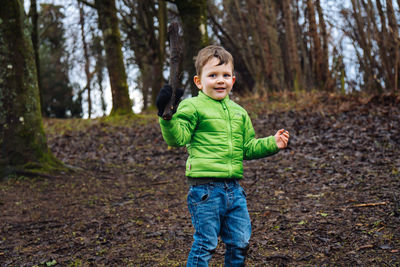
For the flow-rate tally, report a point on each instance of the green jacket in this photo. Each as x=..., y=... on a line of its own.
x=218, y=136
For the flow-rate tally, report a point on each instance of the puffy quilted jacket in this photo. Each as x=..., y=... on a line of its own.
x=218, y=136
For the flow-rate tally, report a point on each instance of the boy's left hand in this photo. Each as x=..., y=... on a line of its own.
x=164, y=96
x=282, y=138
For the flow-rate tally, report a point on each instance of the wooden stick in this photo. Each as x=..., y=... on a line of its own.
x=175, y=59
x=370, y=204
x=161, y=182
x=365, y=247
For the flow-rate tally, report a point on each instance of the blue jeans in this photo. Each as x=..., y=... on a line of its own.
x=219, y=209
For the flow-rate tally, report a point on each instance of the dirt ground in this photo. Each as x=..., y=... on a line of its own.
x=331, y=199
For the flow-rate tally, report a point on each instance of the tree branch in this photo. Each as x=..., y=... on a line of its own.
x=175, y=59
x=92, y=5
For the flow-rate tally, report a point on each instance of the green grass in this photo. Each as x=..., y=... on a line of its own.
x=62, y=126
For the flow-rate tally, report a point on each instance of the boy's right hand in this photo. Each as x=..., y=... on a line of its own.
x=164, y=96
x=282, y=138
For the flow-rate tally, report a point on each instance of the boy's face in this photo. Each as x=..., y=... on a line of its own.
x=216, y=81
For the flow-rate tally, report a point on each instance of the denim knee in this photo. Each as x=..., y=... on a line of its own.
x=204, y=210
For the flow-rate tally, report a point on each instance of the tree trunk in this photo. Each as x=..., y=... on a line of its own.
x=158, y=66
x=237, y=21
x=145, y=77
x=115, y=64
x=315, y=43
x=326, y=77
x=88, y=74
x=259, y=30
x=383, y=40
x=23, y=145
x=162, y=28
x=35, y=42
x=305, y=60
x=394, y=41
x=367, y=61
x=147, y=38
x=222, y=30
x=156, y=45
x=194, y=22
x=275, y=76
x=294, y=70
x=97, y=49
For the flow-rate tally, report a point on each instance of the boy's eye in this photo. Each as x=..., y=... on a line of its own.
x=227, y=75
x=212, y=75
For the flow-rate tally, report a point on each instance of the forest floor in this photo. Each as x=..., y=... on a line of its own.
x=331, y=199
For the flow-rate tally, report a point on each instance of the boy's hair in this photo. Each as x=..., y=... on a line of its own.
x=208, y=52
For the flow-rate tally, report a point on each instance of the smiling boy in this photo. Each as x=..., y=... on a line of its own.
x=213, y=78
x=219, y=135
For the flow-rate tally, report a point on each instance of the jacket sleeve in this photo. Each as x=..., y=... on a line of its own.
x=179, y=130
x=255, y=148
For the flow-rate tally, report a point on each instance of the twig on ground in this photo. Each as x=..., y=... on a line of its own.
x=161, y=182
x=370, y=204
x=365, y=247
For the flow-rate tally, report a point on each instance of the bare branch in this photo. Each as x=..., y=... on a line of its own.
x=175, y=59
x=92, y=5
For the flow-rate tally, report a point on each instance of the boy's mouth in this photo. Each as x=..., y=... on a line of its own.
x=219, y=89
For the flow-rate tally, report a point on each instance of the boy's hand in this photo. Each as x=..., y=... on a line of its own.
x=164, y=96
x=282, y=138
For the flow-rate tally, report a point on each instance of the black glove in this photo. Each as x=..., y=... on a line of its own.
x=164, y=96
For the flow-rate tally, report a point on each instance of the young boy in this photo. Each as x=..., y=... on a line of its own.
x=218, y=134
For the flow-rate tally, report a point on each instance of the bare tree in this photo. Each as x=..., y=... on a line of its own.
x=194, y=23
x=294, y=71
x=115, y=64
x=394, y=44
x=326, y=75
x=250, y=28
x=303, y=43
x=88, y=73
x=358, y=32
x=144, y=23
x=374, y=31
x=97, y=50
x=108, y=22
x=316, y=53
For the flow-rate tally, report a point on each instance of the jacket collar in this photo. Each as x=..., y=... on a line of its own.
x=203, y=95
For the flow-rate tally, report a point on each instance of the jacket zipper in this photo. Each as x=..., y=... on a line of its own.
x=229, y=138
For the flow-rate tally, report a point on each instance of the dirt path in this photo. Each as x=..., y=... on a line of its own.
x=332, y=198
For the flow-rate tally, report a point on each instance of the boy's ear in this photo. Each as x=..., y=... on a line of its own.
x=197, y=82
x=233, y=79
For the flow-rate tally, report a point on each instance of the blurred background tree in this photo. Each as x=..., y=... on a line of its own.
x=144, y=24
x=56, y=88
x=373, y=30
x=278, y=46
